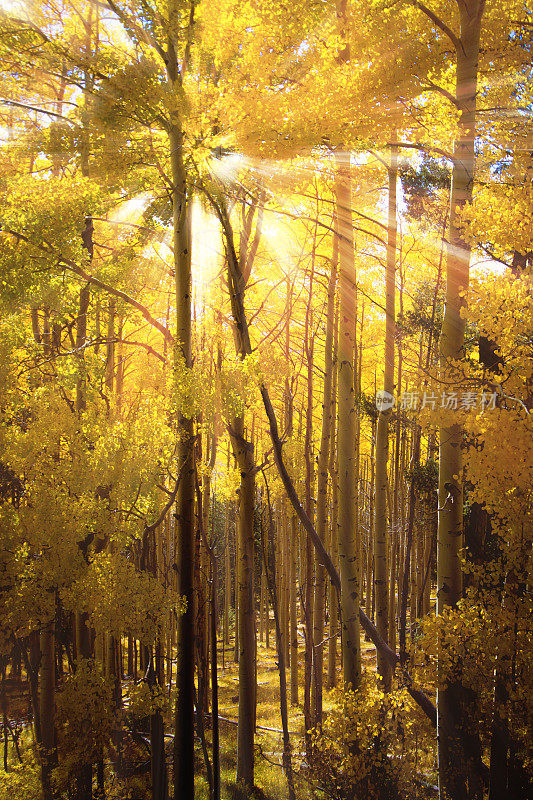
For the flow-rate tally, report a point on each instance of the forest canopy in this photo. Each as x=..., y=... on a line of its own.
x=266, y=393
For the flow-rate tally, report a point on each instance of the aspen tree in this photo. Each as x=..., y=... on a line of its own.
x=283, y=534
x=166, y=573
x=244, y=455
x=236, y=543
x=382, y=433
x=333, y=471
x=370, y=551
x=47, y=707
x=322, y=493
x=396, y=526
x=358, y=371
x=271, y=581
x=184, y=541
x=183, y=751
x=452, y=769
x=110, y=349
x=267, y=618
x=290, y=630
x=82, y=634
x=245, y=599
x=227, y=579
x=278, y=551
x=287, y=592
x=119, y=383
x=174, y=54
x=346, y=431
x=207, y=560
x=262, y=607
x=293, y=610
x=503, y=761
x=43, y=698
x=309, y=556
x=110, y=644
x=200, y=579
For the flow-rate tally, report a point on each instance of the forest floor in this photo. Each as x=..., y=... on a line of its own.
x=270, y=780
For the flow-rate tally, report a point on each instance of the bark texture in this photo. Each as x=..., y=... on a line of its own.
x=348, y=503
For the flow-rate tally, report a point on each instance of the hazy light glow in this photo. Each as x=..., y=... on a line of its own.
x=226, y=169
x=13, y=6
x=131, y=210
x=207, y=250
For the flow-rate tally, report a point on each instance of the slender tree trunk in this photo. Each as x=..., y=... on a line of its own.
x=119, y=383
x=214, y=683
x=500, y=786
x=4, y=716
x=348, y=508
x=47, y=708
x=82, y=636
x=358, y=371
x=309, y=553
x=150, y=563
x=420, y=558
x=262, y=607
x=130, y=655
x=429, y=555
x=110, y=350
x=227, y=581
x=158, y=760
x=81, y=337
x=236, y=591
x=214, y=770
x=322, y=492
x=293, y=609
x=415, y=460
x=110, y=642
x=333, y=469
x=370, y=552
x=285, y=533
x=452, y=771
x=200, y=595
x=113, y=669
x=396, y=523
x=183, y=754
x=392, y=588
x=271, y=581
x=382, y=435
x=210, y=563
x=267, y=622
x=245, y=532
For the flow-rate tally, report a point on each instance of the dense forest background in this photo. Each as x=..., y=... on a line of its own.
x=266, y=384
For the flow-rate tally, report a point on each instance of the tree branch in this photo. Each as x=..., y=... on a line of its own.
x=438, y=23
x=73, y=267
x=426, y=149
x=136, y=31
x=444, y=92
x=27, y=107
